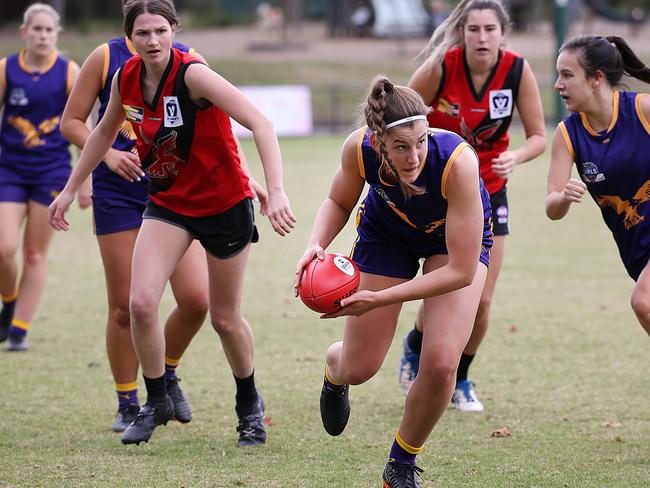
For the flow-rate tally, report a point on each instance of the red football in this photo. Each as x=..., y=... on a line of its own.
x=325, y=283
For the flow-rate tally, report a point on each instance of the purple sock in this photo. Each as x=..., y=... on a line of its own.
x=398, y=454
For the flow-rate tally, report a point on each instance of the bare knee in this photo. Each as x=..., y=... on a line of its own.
x=33, y=258
x=143, y=308
x=120, y=316
x=641, y=304
x=194, y=306
x=439, y=375
x=226, y=324
x=484, y=306
x=7, y=253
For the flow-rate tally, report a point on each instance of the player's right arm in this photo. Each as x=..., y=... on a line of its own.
x=97, y=144
x=335, y=210
x=80, y=103
x=563, y=190
x=426, y=80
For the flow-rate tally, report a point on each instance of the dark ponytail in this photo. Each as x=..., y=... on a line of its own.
x=611, y=55
x=632, y=65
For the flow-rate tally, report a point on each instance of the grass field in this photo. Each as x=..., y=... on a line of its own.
x=564, y=357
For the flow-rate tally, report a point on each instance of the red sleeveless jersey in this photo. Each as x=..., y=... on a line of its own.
x=482, y=119
x=188, y=152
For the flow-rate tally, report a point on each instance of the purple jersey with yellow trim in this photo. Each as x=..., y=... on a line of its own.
x=405, y=230
x=32, y=148
x=105, y=181
x=614, y=165
x=422, y=215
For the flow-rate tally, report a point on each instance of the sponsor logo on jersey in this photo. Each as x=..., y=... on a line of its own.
x=133, y=114
x=500, y=103
x=446, y=107
x=591, y=172
x=17, y=97
x=173, y=116
x=502, y=214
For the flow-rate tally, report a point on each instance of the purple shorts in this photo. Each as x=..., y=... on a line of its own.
x=116, y=213
x=43, y=193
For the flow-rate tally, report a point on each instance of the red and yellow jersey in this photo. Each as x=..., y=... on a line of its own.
x=188, y=152
x=481, y=118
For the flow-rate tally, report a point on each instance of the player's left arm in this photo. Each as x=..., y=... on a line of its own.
x=205, y=84
x=529, y=106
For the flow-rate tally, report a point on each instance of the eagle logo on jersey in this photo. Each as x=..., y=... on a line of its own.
x=627, y=207
x=434, y=225
x=30, y=132
x=166, y=163
x=481, y=138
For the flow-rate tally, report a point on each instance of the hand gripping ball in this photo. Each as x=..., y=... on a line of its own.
x=325, y=283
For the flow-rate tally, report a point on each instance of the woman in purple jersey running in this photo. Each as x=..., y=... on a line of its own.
x=34, y=165
x=607, y=137
x=425, y=201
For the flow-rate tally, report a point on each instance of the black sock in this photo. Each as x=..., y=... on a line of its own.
x=414, y=340
x=156, y=389
x=246, y=394
x=463, y=366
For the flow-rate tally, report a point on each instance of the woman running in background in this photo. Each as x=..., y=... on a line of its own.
x=473, y=85
x=34, y=165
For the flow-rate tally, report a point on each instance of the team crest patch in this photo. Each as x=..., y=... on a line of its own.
x=17, y=97
x=500, y=103
x=133, y=114
x=173, y=116
x=591, y=172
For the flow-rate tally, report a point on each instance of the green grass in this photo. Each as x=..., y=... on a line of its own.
x=563, y=356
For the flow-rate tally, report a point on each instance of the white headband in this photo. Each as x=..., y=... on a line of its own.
x=406, y=120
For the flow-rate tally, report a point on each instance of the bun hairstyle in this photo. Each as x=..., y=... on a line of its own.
x=388, y=103
x=611, y=55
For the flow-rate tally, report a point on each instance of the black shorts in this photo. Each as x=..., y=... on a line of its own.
x=500, y=215
x=223, y=235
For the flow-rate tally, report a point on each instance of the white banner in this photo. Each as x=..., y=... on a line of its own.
x=288, y=107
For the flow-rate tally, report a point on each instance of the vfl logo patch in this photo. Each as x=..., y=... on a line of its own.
x=173, y=116
x=591, y=173
x=500, y=103
x=133, y=114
